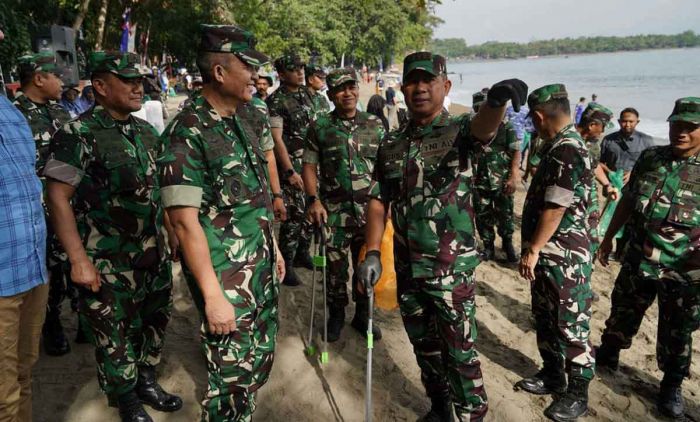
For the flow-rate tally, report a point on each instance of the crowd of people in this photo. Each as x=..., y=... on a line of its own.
x=102, y=198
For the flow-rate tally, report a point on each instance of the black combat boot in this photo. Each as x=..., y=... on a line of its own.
x=573, y=404
x=360, y=321
x=290, y=277
x=440, y=411
x=546, y=381
x=151, y=393
x=670, y=401
x=607, y=357
x=336, y=321
x=488, y=252
x=55, y=341
x=508, y=248
x=131, y=409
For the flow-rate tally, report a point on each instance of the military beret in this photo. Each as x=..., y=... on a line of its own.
x=124, y=65
x=597, y=112
x=338, y=77
x=686, y=109
x=39, y=62
x=232, y=39
x=546, y=93
x=426, y=61
x=289, y=62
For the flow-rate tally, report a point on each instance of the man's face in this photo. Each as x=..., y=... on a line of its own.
x=50, y=84
x=345, y=97
x=261, y=85
x=595, y=130
x=685, y=138
x=293, y=77
x=317, y=81
x=238, y=79
x=120, y=94
x=628, y=122
x=425, y=92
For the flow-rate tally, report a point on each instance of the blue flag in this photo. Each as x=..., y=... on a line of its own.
x=124, y=45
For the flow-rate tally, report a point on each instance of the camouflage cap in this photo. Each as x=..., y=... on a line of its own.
x=687, y=109
x=124, y=65
x=546, y=93
x=39, y=62
x=426, y=61
x=289, y=62
x=598, y=112
x=338, y=77
x=232, y=39
x=478, y=98
x=314, y=69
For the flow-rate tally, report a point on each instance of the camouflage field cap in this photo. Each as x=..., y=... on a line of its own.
x=478, y=98
x=289, y=62
x=546, y=93
x=426, y=61
x=338, y=77
x=597, y=112
x=124, y=65
x=232, y=39
x=39, y=62
x=687, y=109
x=314, y=69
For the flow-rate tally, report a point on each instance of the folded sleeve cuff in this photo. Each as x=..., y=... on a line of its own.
x=63, y=172
x=181, y=196
x=559, y=196
x=276, y=122
x=310, y=157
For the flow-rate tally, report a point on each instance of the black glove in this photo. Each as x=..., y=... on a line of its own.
x=514, y=90
x=370, y=270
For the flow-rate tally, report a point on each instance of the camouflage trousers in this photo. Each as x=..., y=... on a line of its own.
x=679, y=317
x=238, y=364
x=125, y=320
x=439, y=318
x=60, y=285
x=561, y=305
x=494, y=208
x=343, y=250
x=295, y=232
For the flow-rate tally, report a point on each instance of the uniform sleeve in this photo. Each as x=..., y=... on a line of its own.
x=311, y=149
x=378, y=186
x=512, y=139
x=69, y=155
x=266, y=141
x=181, y=167
x=563, y=172
x=276, y=112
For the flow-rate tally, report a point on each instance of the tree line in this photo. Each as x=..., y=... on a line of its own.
x=458, y=48
x=363, y=32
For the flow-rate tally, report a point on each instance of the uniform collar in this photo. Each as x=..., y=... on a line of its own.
x=102, y=116
x=208, y=116
x=27, y=104
x=441, y=120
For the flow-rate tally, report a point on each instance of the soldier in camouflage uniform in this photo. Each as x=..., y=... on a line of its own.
x=661, y=204
x=214, y=186
x=316, y=82
x=105, y=162
x=341, y=147
x=497, y=175
x=595, y=119
x=556, y=256
x=291, y=110
x=41, y=85
x=424, y=173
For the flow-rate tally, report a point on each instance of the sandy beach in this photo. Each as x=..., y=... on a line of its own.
x=301, y=389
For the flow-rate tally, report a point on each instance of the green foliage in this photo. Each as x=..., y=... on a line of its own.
x=456, y=47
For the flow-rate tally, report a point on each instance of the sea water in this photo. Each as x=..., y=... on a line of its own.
x=649, y=81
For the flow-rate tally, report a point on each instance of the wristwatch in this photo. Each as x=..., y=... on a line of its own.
x=310, y=199
x=289, y=173
x=278, y=195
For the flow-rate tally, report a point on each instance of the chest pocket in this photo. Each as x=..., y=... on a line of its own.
x=123, y=172
x=685, y=205
x=227, y=165
x=298, y=116
x=367, y=144
x=441, y=163
x=646, y=186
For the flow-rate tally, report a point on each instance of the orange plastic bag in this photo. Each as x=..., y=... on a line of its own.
x=385, y=290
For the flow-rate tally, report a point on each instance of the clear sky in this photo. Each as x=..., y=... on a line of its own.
x=478, y=21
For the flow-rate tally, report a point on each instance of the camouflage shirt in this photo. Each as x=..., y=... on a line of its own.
x=665, y=191
x=426, y=174
x=292, y=111
x=112, y=166
x=494, y=159
x=563, y=178
x=321, y=105
x=44, y=120
x=208, y=162
x=345, y=150
x=255, y=119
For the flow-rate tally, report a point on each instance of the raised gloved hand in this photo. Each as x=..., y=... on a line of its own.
x=514, y=90
x=370, y=270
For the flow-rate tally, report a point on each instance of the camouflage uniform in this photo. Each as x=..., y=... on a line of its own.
x=493, y=206
x=425, y=175
x=292, y=111
x=663, y=255
x=561, y=292
x=209, y=162
x=111, y=164
x=255, y=119
x=44, y=120
x=345, y=151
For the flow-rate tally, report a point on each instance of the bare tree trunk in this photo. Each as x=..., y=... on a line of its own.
x=101, y=18
x=84, y=4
